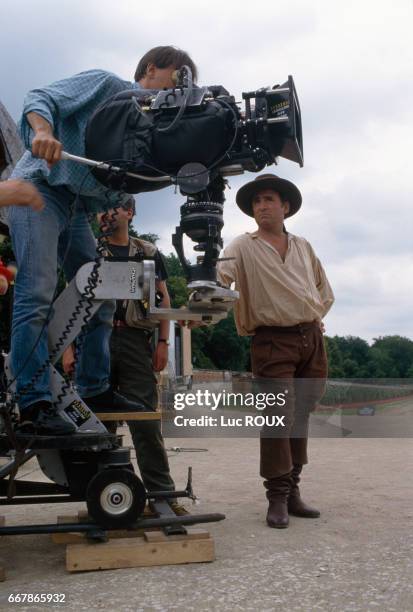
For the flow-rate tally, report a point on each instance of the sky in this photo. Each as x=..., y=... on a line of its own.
x=352, y=64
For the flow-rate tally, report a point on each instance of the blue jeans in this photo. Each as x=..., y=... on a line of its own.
x=39, y=242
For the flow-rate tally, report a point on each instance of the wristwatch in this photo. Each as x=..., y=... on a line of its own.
x=164, y=340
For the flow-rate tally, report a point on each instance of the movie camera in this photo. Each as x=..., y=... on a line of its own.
x=193, y=137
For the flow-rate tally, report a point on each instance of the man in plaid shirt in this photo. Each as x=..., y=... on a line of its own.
x=54, y=119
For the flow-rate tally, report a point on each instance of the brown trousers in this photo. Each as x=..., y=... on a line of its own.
x=292, y=359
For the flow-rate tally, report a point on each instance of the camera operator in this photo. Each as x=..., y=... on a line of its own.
x=284, y=294
x=54, y=118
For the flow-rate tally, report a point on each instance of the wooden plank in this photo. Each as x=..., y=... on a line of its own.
x=79, y=538
x=135, y=552
x=82, y=516
x=129, y=416
x=192, y=534
x=2, y=574
x=67, y=518
x=68, y=538
x=2, y=521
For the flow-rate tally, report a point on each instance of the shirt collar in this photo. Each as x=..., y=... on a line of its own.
x=254, y=235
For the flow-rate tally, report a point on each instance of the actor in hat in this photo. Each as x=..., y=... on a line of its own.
x=284, y=295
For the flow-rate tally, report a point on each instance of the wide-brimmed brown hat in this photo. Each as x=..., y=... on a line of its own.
x=285, y=188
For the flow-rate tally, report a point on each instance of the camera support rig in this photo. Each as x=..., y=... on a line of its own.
x=91, y=465
x=202, y=221
x=148, y=153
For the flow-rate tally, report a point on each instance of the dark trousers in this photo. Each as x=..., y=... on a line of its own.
x=291, y=359
x=132, y=375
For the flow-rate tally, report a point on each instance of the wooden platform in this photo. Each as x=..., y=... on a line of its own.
x=129, y=416
x=154, y=548
x=134, y=548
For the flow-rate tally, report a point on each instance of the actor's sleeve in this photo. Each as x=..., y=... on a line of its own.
x=322, y=284
x=62, y=98
x=227, y=270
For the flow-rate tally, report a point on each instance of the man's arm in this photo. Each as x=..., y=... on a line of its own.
x=20, y=193
x=45, y=107
x=322, y=284
x=160, y=356
x=227, y=270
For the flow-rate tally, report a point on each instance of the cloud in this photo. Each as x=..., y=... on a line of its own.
x=353, y=66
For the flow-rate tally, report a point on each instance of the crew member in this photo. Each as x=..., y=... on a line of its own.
x=284, y=295
x=133, y=361
x=54, y=118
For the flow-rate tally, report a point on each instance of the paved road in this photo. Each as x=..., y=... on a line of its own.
x=356, y=557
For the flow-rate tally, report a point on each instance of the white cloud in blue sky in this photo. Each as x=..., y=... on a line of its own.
x=352, y=63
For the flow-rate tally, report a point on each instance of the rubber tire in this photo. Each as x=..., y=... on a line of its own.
x=108, y=477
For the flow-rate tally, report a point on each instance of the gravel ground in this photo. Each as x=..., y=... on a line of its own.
x=356, y=557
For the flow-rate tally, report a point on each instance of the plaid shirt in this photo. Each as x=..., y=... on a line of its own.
x=67, y=106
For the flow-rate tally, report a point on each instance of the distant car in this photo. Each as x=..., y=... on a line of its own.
x=366, y=411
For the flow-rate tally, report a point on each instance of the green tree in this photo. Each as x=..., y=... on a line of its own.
x=335, y=358
x=398, y=351
x=176, y=282
x=178, y=291
x=226, y=349
x=199, y=340
x=382, y=365
x=173, y=265
x=149, y=237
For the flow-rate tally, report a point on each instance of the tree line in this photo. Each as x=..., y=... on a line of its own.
x=219, y=346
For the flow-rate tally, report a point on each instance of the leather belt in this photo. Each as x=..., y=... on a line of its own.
x=147, y=332
x=301, y=327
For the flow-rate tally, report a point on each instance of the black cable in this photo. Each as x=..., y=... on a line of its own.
x=88, y=295
x=187, y=92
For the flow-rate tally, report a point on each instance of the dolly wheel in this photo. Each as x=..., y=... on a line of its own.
x=115, y=498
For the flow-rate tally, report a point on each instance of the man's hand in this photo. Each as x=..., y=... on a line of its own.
x=160, y=357
x=44, y=144
x=47, y=147
x=20, y=193
x=68, y=361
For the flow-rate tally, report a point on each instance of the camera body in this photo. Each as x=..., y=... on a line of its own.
x=164, y=133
